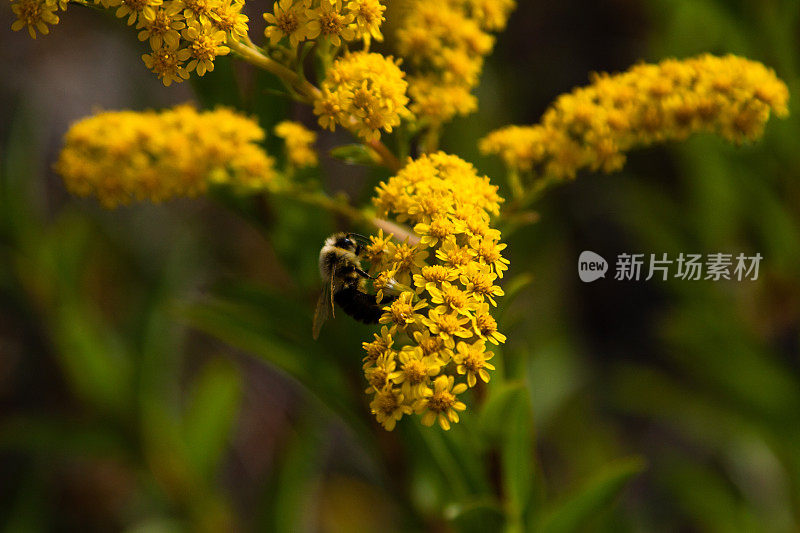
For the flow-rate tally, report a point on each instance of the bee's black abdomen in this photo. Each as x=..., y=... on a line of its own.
x=360, y=305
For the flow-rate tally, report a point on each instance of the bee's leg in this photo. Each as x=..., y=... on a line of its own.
x=361, y=272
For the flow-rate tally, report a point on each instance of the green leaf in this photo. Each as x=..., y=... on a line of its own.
x=491, y=420
x=211, y=414
x=57, y=436
x=596, y=494
x=708, y=496
x=356, y=154
x=464, y=446
x=479, y=515
x=517, y=459
x=515, y=285
x=289, y=493
x=92, y=355
x=20, y=177
x=95, y=360
x=277, y=330
x=449, y=468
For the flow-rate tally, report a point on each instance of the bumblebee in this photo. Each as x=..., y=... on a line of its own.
x=345, y=282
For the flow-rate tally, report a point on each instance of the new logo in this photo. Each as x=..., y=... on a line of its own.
x=591, y=266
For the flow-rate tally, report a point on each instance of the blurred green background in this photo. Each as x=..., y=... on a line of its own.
x=157, y=371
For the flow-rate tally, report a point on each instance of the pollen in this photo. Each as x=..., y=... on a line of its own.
x=441, y=401
x=435, y=274
x=452, y=297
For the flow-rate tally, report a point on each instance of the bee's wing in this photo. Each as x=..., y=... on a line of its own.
x=324, y=306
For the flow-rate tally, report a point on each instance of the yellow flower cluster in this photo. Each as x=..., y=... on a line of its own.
x=592, y=127
x=445, y=43
x=297, y=21
x=36, y=15
x=184, y=35
x=436, y=331
x=299, y=143
x=126, y=156
x=365, y=93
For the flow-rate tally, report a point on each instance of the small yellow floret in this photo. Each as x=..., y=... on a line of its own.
x=299, y=143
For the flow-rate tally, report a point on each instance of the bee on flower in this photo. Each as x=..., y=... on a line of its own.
x=436, y=331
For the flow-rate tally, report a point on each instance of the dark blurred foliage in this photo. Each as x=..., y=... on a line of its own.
x=156, y=366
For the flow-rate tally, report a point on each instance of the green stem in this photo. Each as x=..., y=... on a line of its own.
x=320, y=199
x=249, y=53
x=388, y=159
x=430, y=142
x=516, y=184
x=358, y=216
x=525, y=198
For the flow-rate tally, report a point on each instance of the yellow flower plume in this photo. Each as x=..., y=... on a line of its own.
x=126, y=156
x=365, y=93
x=592, y=127
x=432, y=345
x=444, y=44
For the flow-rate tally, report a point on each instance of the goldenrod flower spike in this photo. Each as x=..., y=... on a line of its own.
x=365, y=93
x=432, y=344
x=443, y=44
x=125, y=156
x=594, y=126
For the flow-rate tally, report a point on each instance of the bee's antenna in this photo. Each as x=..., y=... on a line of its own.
x=359, y=237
